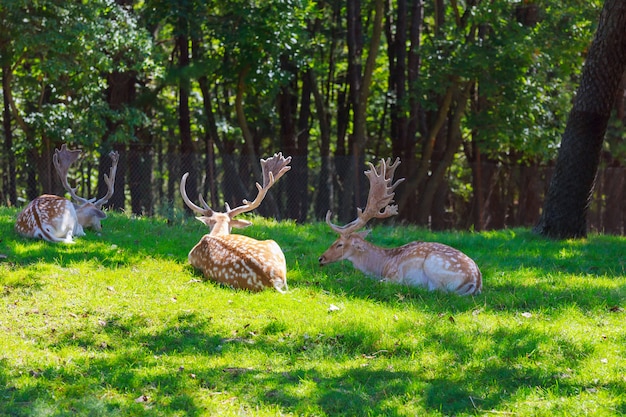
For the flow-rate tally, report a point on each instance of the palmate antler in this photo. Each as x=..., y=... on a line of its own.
x=63, y=158
x=273, y=168
x=379, y=199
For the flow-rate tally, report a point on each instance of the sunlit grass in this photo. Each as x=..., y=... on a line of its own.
x=120, y=324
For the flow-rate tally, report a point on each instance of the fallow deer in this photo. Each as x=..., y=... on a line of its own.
x=235, y=260
x=57, y=219
x=432, y=265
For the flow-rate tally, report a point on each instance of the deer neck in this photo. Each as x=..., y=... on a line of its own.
x=220, y=230
x=371, y=260
x=219, y=223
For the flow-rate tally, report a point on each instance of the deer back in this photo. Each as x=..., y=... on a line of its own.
x=241, y=262
x=51, y=218
x=435, y=266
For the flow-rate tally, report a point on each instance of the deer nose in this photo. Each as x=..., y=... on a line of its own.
x=321, y=260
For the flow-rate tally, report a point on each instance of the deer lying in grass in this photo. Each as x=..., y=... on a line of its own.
x=432, y=265
x=57, y=219
x=236, y=260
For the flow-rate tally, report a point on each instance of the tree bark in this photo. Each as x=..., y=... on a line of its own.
x=325, y=184
x=300, y=166
x=120, y=93
x=360, y=84
x=187, y=163
x=567, y=202
x=10, y=190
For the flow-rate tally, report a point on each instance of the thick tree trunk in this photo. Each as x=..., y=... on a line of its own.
x=120, y=93
x=566, y=205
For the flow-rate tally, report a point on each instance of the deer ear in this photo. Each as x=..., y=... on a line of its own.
x=363, y=233
x=239, y=224
x=358, y=241
x=359, y=245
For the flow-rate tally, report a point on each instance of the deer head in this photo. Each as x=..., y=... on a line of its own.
x=88, y=212
x=221, y=223
x=379, y=199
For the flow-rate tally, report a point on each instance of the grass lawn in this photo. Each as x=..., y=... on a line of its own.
x=120, y=325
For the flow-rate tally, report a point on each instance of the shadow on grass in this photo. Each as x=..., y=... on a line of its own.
x=331, y=376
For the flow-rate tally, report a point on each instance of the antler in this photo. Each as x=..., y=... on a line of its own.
x=109, y=179
x=273, y=168
x=206, y=211
x=379, y=199
x=62, y=160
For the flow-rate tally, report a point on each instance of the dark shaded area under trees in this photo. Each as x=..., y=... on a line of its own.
x=473, y=98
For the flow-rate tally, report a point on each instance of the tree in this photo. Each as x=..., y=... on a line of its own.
x=567, y=202
x=360, y=82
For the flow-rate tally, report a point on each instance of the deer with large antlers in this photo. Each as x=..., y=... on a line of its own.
x=432, y=265
x=235, y=260
x=57, y=219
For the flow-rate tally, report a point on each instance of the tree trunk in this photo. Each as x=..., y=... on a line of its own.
x=187, y=162
x=396, y=53
x=325, y=183
x=120, y=93
x=228, y=166
x=566, y=205
x=454, y=138
x=360, y=84
x=249, y=149
x=9, y=190
x=300, y=166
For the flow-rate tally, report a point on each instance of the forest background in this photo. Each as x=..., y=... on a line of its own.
x=473, y=96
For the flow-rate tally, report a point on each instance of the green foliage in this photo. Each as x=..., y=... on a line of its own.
x=119, y=324
x=63, y=58
x=525, y=72
x=62, y=54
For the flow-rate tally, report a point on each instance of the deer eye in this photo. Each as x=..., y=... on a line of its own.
x=340, y=245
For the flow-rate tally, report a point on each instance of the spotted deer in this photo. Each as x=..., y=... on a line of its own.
x=235, y=260
x=57, y=219
x=432, y=265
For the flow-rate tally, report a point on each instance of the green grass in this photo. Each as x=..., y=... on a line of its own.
x=119, y=325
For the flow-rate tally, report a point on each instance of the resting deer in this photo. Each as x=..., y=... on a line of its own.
x=236, y=260
x=432, y=265
x=57, y=219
